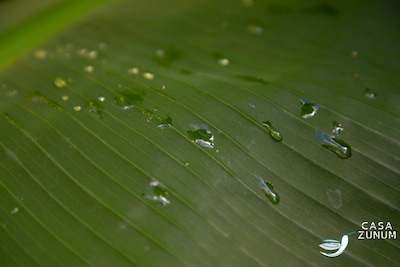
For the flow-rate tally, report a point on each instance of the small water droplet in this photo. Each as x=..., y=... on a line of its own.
x=160, y=52
x=165, y=123
x=202, y=137
x=187, y=164
x=93, y=54
x=254, y=29
x=223, y=61
x=337, y=128
x=83, y=52
x=335, y=197
x=40, y=54
x=89, y=69
x=252, y=105
x=101, y=98
x=94, y=108
x=369, y=94
x=337, y=146
x=163, y=87
x=127, y=99
x=65, y=98
x=275, y=134
x=60, y=82
x=147, y=116
x=77, y=108
x=157, y=193
x=354, y=53
x=148, y=75
x=308, y=108
x=14, y=210
x=133, y=71
x=268, y=190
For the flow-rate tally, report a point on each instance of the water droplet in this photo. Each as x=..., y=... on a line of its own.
x=40, y=54
x=60, y=82
x=202, y=137
x=335, y=197
x=275, y=134
x=369, y=94
x=337, y=128
x=83, y=52
x=337, y=146
x=133, y=71
x=165, y=123
x=223, y=61
x=164, y=87
x=157, y=193
x=308, y=108
x=268, y=190
x=89, y=69
x=254, y=29
x=65, y=98
x=14, y=210
x=93, y=54
x=127, y=100
x=147, y=116
x=101, y=98
x=94, y=108
x=187, y=164
x=77, y=108
x=148, y=75
x=354, y=53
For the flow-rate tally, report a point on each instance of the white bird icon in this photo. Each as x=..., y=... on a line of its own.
x=333, y=244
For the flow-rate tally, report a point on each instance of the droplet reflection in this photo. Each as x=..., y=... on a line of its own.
x=268, y=189
x=157, y=193
x=308, y=108
x=337, y=146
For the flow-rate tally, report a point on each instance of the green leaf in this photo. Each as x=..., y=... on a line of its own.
x=132, y=133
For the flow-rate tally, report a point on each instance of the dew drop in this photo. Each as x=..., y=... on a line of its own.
x=335, y=197
x=308, y=108
x=40, y=54
x=337, y=128
x=202, y=137
x=148, y=75
x=275, y=134
x=60, y=82
x=83, y=52
x=157, y=193
x=337, y=146
x=65, y=98
x=93, y=54
x=268, y=190
x=354, y=53
x=133, y=71
x=165, y=123
x=89, y=69
x=14, y=211
x=223, y=61
x=77, y=108
x=187, y=164
x=369, y=94
x=94, y=108
x=101, y=98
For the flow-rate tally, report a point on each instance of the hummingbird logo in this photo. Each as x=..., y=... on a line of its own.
x=333, y=244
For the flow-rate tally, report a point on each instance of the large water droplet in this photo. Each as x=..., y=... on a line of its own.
x=202, y=137
x=335, y=197
x=369, y=94
x=275, y=134
x=308, y=108
x=60, y=82
x=268, y=190
x=337, y=146
x=157, y=193
x=337, y=128
x=165, y=123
